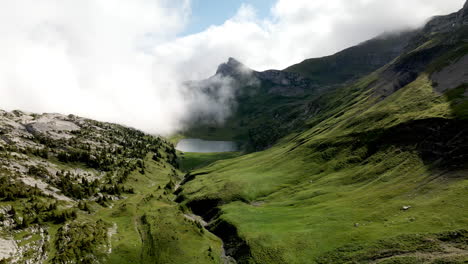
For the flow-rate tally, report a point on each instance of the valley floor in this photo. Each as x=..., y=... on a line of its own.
x=341, y=218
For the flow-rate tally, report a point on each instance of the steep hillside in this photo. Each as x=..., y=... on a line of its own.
x=268, y=105
x=354, y=62
x=74, y=190
x=380, y=175
x=362, y=158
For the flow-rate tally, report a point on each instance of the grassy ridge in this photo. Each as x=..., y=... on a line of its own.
x=328, y=188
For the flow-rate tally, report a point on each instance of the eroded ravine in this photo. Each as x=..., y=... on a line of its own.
x=207, y=214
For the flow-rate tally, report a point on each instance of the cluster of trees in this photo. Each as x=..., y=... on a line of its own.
x=10, y=148
x=92, y=159
x=80, y=241
x=66, y=181
x=84, y=189
x=172, y=156
x=47, y=141
x=116, y=189
x=38, y=211
x=62, y=216
x=84, y=206
x=121, y=152
x=38, y=171
x=38, y=207
x=39, y=152
x=11, y=190
x=115, y=146
x=118, y=151
x=113, y=149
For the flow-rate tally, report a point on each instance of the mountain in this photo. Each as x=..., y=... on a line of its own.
x=250, y=99
x=276, y=100
x=354, y=62
x=320, y=73
x=441, y=24
x=266, y=106
x=376, y=173
x=358, y=157
x=75, y=190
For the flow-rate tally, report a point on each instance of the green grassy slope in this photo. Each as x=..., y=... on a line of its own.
x=151, y=228
x=145, y=227
x=103, y=195
x=189, y=161
x=335, y=193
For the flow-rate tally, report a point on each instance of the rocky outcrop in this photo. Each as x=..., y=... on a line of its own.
x=405, y=70
x=452, y=76
x=278, y=82
x=448, y=23
x=354, y=62
x=233, y=68
x=234, y=246
x=437, y=49
x=53, y=125
x=285, y=83
x=207, y=212
x=443, y=143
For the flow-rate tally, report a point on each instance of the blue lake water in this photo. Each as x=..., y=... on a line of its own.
x=206, y=146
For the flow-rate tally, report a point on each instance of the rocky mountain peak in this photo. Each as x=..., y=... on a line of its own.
x=233, y=61
x=232, y=68
x=448, y=23
x=465, y=11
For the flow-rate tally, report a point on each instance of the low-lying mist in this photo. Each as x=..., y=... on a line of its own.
x=127, y=61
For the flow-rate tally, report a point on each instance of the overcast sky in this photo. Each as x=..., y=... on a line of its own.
x=123, y=60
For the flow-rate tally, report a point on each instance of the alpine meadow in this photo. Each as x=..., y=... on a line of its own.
x=356, y=157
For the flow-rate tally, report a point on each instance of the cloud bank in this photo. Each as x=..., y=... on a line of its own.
x=122, y=60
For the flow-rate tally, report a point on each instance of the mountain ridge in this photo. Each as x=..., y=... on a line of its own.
x=377, y=173
x=366, y=166
x=280, y=98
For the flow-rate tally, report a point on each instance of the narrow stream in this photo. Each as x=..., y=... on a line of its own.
x=206, y=146
x=226, y=259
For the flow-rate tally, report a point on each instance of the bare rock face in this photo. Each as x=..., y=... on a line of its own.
x=448, y=23
x=53, y=125
x=280, y=82
x=451, y=76
x=233, y=68
x=465, y=11
x=8, y=248
x=285, y=83
x=405, y=70
x=416, y=60
x=21, y=125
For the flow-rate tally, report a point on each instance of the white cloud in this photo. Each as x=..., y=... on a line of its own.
x=121, y=60
x=298, y=30
x=90, y=57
